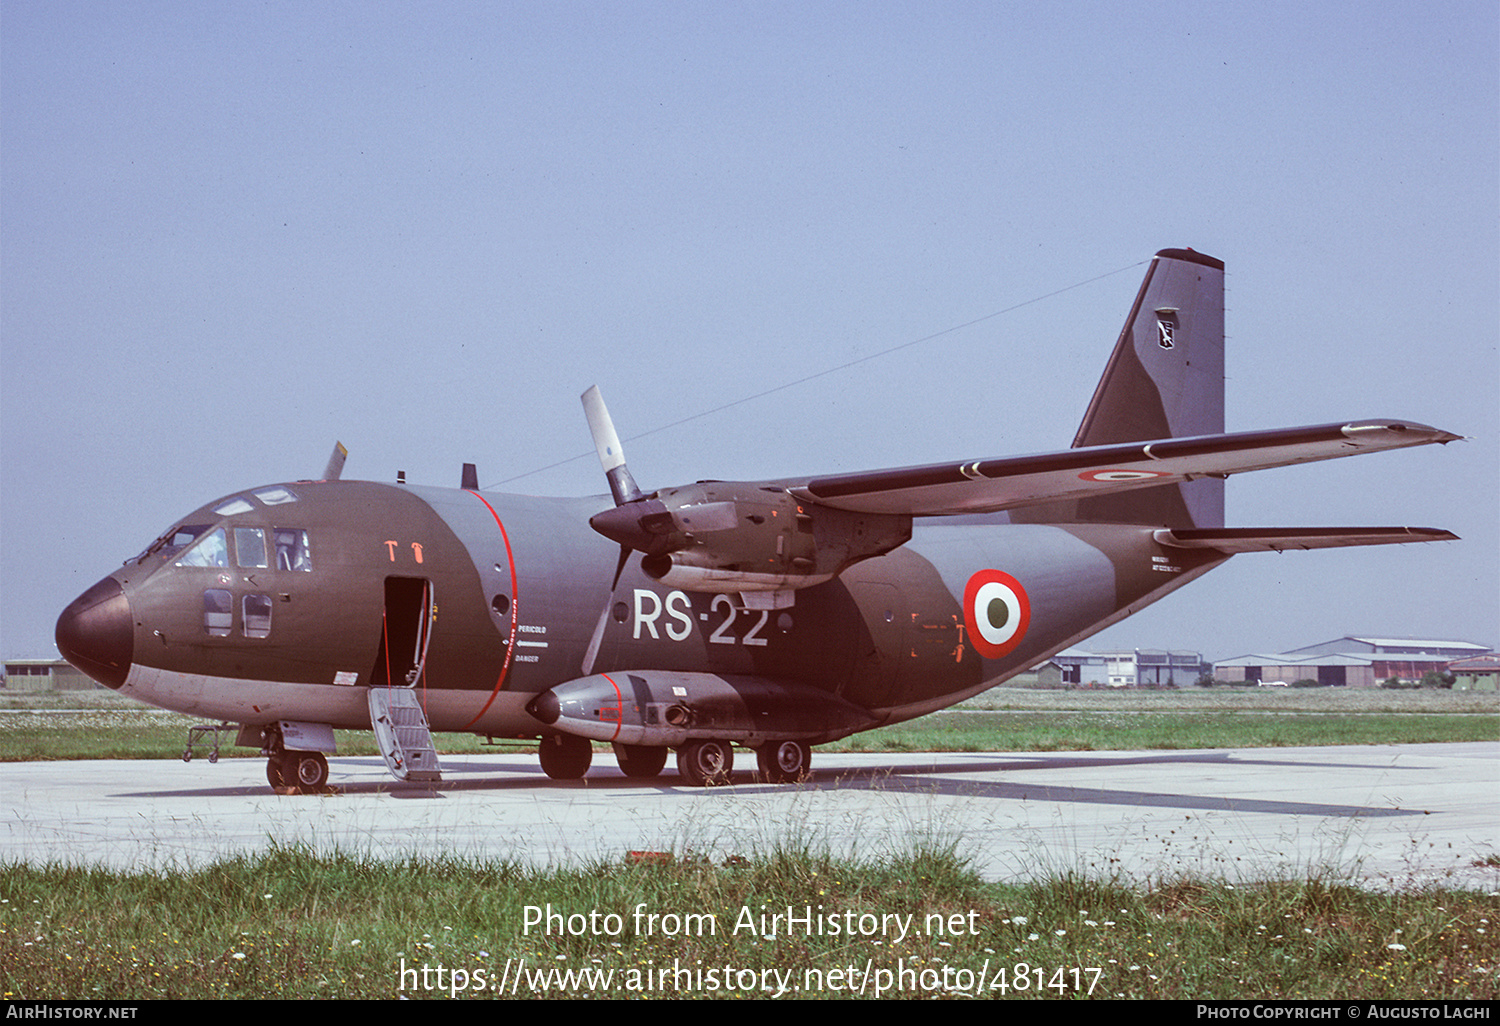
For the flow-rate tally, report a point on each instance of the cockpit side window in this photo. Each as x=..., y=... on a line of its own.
x=173, y=542
x=293, y=552
x=210, y=550
x=250, y=547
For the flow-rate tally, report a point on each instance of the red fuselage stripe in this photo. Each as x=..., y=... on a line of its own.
x=515, y=613
x=619, y=704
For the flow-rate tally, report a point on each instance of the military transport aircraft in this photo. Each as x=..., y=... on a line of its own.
x=770, y=615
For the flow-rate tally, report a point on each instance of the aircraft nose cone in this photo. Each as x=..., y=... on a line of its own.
x=96, y=634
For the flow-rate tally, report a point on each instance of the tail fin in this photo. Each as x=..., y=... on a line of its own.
x=1165, y=379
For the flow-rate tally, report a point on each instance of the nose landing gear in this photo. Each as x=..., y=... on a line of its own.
x=306, y=772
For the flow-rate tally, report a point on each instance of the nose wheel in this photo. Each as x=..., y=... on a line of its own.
x=305, y=771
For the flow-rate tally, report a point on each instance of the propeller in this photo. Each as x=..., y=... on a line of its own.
x=611, y=456
x=625, y=492
x=335, y=462
x=730, y=537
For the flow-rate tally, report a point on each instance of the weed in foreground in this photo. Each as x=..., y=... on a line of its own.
x=294, y=924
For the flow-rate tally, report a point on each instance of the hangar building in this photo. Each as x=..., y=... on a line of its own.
x=1359, y=662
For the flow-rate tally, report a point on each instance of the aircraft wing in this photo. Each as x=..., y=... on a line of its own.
x=987, y=486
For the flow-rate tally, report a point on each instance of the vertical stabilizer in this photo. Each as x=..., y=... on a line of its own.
x=1165, y=379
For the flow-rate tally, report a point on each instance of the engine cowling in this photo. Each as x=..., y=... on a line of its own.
x=717, y=536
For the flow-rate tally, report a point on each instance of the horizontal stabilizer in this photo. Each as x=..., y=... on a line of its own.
x=1278, y=539
x=986, y=486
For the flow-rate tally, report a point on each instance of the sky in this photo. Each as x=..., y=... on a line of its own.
x=783, y=238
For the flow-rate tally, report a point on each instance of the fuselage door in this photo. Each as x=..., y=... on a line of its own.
x=406, y=630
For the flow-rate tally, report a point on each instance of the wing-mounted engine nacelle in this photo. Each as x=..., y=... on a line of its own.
x=718, y=536
x=666, y=708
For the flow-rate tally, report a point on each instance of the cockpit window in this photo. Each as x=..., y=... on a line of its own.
x=238, y=504
x=173, y=542
x=292, y=549
x=210, y=550
x=275, y=495
x=250, y=547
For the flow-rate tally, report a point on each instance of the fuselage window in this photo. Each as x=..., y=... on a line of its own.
x=293, y=552
x=211, y=550
x=250, y=547
x=257, y=616
x=218, y=612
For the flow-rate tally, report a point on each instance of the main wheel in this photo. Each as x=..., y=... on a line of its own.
x=640, y=760
x=307, y=770
x=705, y=763
x=565, y=756
x=784, y=762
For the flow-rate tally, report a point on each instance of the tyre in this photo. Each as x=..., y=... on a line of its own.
x=565, y=756
x=784, y=762
x=706, y=763
x=305, y=770
x=641, y=761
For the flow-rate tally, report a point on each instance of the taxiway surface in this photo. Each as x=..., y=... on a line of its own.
x=1383, y=815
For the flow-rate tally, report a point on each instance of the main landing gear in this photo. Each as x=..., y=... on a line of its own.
x=701, y=763
x=784, y=762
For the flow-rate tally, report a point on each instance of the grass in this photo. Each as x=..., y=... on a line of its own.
x=294, y=924
x=101, y=725
x=291, y=924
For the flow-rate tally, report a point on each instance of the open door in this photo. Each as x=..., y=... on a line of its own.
x=396, y=715
x=405, y=631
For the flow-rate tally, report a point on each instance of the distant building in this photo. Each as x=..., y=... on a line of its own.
x=1392, y=649
x=1042, y=676
x=44, y=675
x=1141, y=667
x=1479, y=673
x=1356, y=662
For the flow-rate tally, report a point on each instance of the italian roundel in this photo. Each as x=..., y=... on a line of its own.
x=997, y=612
x=1121, y=475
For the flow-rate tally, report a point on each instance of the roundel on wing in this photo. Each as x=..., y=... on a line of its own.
x=997, y=612
x=1122, y=475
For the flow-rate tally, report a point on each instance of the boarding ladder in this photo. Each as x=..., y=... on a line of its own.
x=402, y=734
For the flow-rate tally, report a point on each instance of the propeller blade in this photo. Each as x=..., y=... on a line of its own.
x=335, y=462
x=619, y=569
x=611, y=457
x=592, y=652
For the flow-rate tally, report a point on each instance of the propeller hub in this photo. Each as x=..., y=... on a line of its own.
x=643, y=525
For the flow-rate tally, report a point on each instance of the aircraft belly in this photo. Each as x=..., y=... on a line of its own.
x=237, y=700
